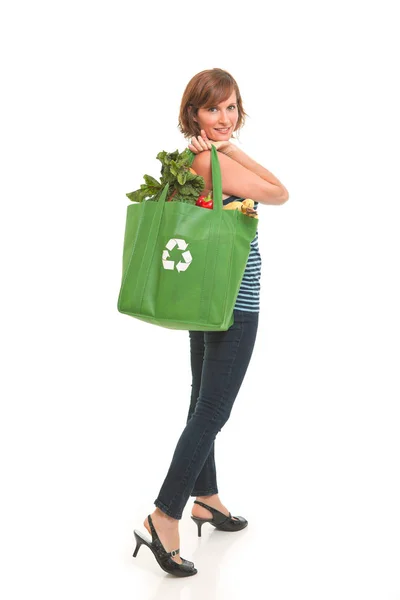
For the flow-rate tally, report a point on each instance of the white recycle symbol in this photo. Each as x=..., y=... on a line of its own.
x=187, y=257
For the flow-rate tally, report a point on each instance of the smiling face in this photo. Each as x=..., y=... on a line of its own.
x=219, y=121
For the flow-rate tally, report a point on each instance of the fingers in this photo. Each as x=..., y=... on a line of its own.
x=205, y=139
x=200, y=143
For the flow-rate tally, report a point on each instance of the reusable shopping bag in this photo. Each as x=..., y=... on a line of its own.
x=183, y=264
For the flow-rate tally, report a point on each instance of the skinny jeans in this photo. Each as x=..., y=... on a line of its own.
x=219, y=361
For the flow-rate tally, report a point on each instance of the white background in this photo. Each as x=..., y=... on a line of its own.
x=93, y=401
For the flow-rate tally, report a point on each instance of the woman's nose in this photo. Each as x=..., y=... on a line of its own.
x=223, y=118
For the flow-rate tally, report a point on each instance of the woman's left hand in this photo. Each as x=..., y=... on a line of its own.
x=200, y=143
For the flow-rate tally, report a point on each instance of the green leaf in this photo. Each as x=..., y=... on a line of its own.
x=181, y=178
x=161, y=156
x=174, y=155
x=187, y=190
x=149, y=190
x=137, y=196
x=191, y=176
x=151, y=181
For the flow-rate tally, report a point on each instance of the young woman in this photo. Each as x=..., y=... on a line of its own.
x=211, y=111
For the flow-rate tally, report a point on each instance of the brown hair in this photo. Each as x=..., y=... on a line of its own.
x=204, y=90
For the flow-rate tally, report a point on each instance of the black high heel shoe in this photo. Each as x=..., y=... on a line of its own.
x=219, y=520
x=162, y=556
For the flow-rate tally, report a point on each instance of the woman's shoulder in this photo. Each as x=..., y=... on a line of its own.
x=202, y=166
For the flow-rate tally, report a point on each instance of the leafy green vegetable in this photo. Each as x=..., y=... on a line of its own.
x=183, y=185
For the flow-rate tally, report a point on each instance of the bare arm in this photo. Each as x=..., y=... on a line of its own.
x=242, y=158
x=242, y=176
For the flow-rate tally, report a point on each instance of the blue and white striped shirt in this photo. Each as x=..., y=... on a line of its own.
x=248, y=297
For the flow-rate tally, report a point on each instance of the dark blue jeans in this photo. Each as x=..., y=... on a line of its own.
x=219, y=361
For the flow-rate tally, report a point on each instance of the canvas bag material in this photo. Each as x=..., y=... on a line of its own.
x=183, y=264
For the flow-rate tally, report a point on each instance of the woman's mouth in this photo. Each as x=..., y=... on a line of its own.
x=222, y=130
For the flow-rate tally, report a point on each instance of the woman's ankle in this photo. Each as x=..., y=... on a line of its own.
x=158, y=513
x=205, y=498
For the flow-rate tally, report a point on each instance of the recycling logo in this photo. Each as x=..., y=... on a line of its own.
x=186, y=256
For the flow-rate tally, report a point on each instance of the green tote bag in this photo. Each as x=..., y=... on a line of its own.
x=183, y=264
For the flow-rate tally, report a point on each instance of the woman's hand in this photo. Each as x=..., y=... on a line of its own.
x=201, y=142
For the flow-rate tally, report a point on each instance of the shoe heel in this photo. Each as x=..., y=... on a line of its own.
x=199, y=523
x=139, y=542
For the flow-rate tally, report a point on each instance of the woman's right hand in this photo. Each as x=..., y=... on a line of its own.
x=201, y=142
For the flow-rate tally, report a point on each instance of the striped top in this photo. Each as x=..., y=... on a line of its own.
x=248, y=297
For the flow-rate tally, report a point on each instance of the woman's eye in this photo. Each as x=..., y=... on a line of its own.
x=232, y=106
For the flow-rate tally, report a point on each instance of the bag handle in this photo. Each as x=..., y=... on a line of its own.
x=216, y=181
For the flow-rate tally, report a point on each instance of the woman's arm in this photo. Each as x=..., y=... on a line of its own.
x=249, y=180
x=242, y=158
x=241, y=176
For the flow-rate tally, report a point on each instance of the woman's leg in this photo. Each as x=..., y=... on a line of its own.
x=226, y=358
x=206, y=482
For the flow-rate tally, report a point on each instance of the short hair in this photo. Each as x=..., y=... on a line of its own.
x=204, y=90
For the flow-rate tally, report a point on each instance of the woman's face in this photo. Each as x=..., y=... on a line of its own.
x=219, y=121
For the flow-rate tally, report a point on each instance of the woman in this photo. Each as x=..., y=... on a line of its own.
x=211, y=111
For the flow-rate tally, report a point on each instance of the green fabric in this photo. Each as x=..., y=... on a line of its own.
x=183, y=264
